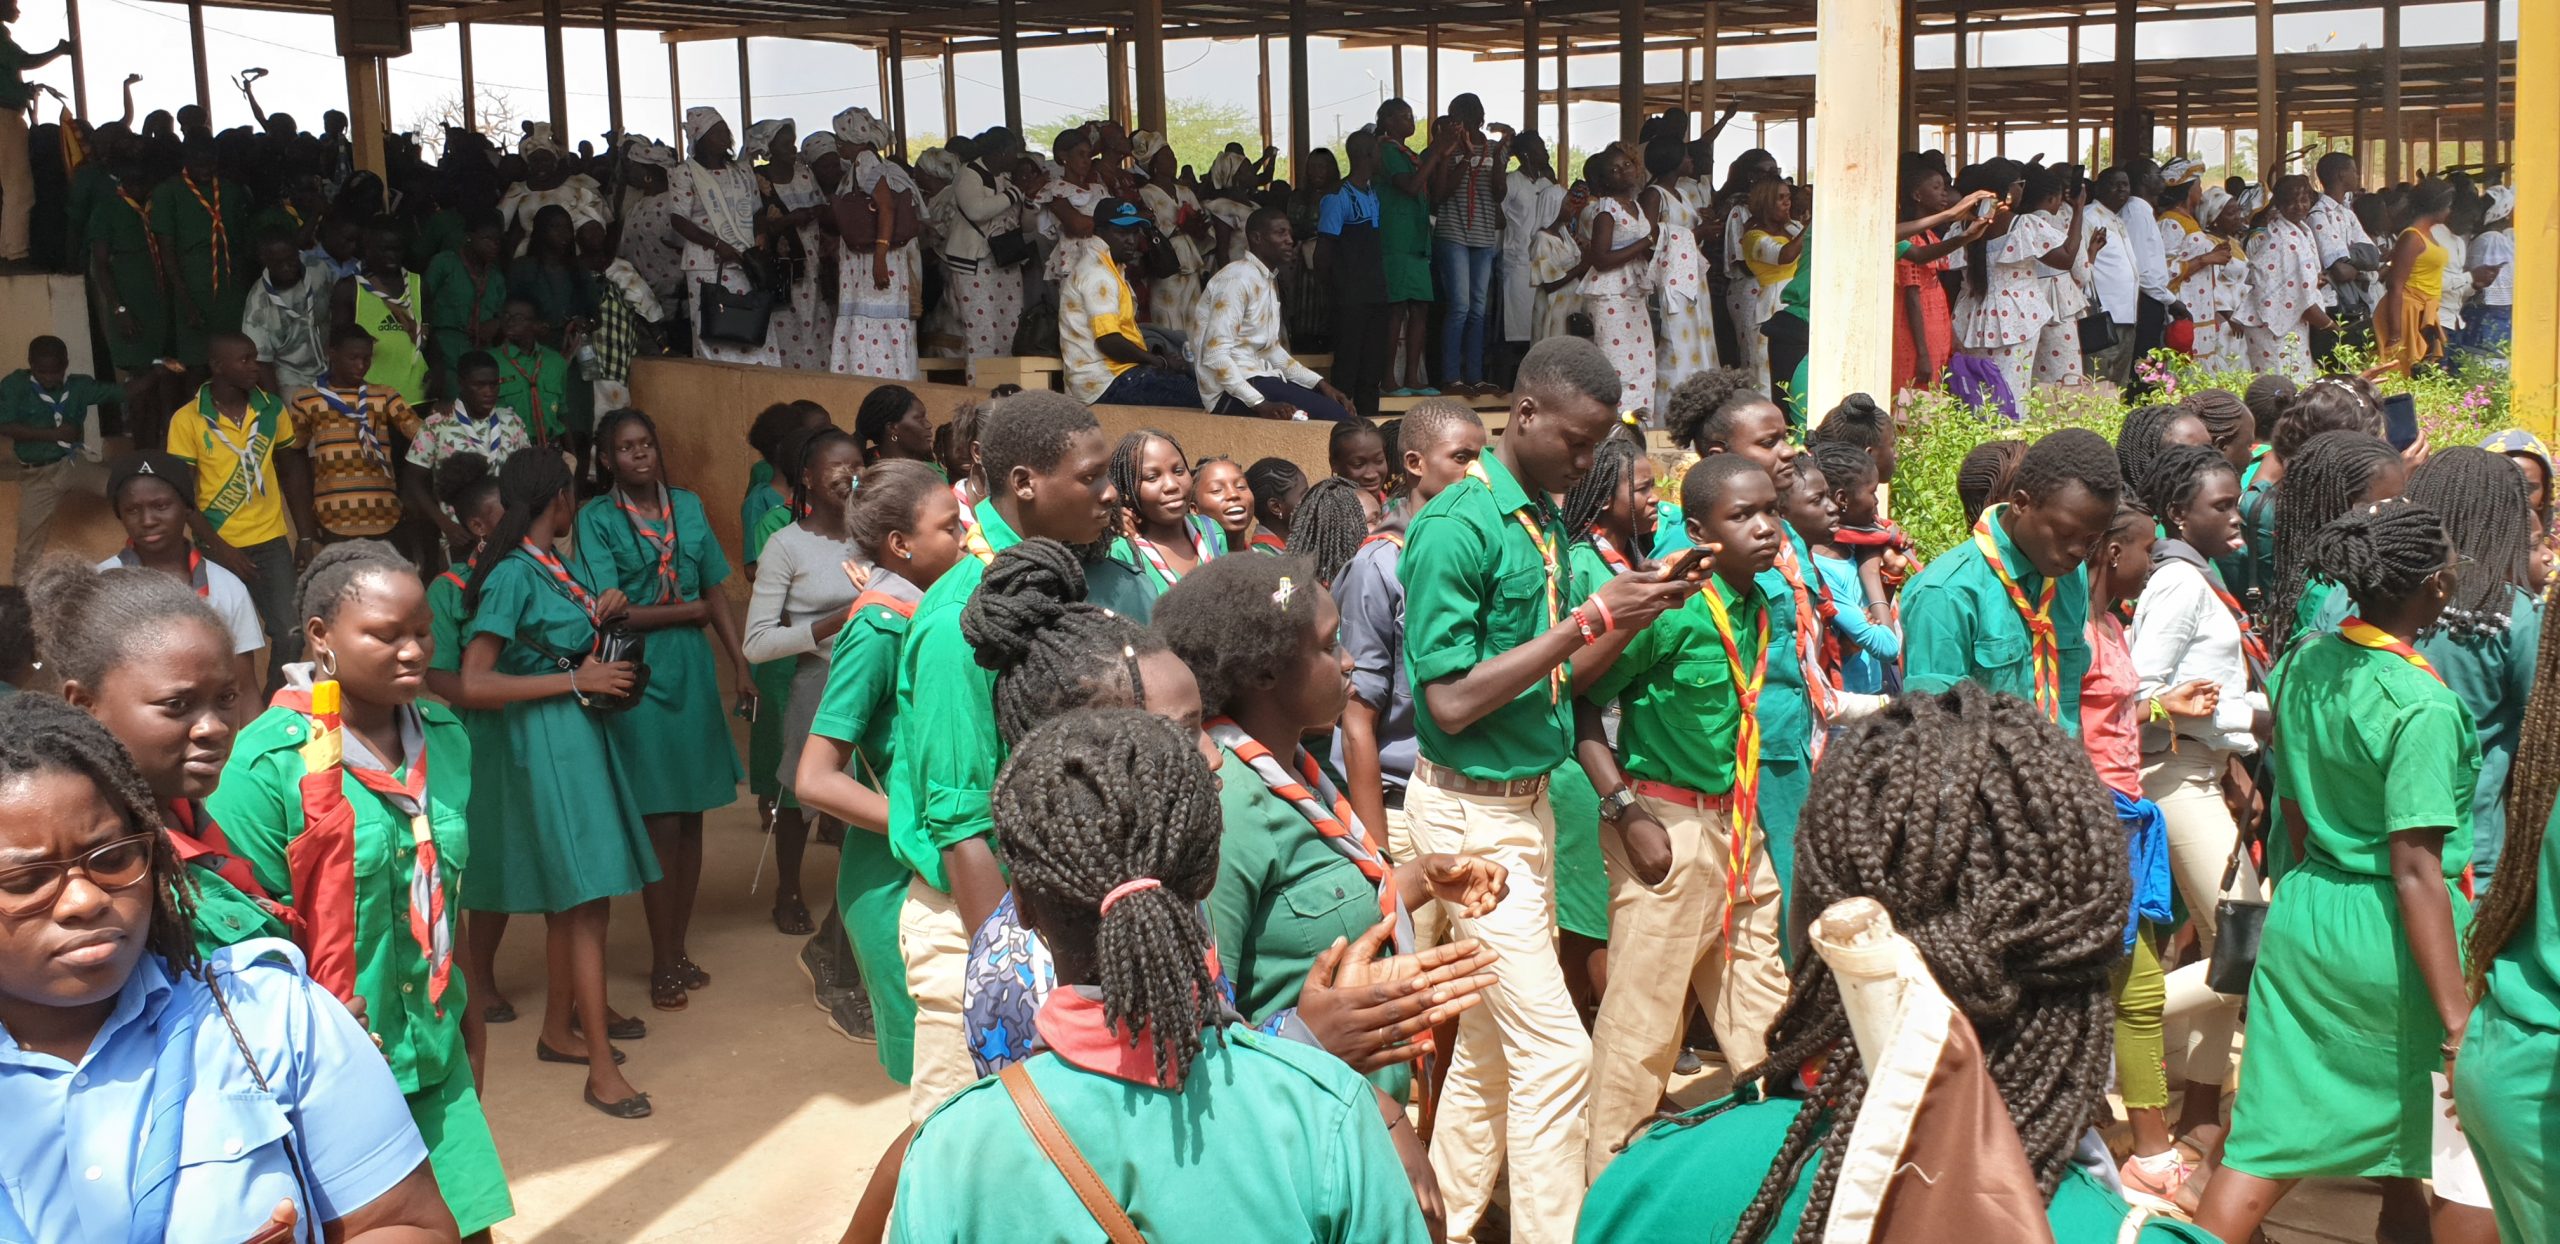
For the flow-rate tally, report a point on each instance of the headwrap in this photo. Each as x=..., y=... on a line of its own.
x=538, y=137
x=856, y=127
x=1229, y=165
x=654, y=154
x=2179, y=172
x=1145, y=144
x=819, y=144
x=944, y=163
x=2502, y=203
x=871, y=167
x=2215, y=199
x=698, y=122
x=759, y=137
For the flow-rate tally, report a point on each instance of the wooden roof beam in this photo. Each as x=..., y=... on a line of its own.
x=955, y=19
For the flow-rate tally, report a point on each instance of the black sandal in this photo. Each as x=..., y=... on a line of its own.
x=498, y=1013
x=627, y=1028
x=667, y=990
x=542, y=1050
x=791, y=918
x=635, y=1106
x=694, y=976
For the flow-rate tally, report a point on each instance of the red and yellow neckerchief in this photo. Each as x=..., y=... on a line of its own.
x=221, y=266
x=661, y=540
x=2046, y=646
x=560, y=577
x=2365, y=634
x=142, y=208
x=1743, y=822
x=1547, y=552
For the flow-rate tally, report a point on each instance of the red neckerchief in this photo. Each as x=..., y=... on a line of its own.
x=1609, y=553
x=2251, y=644
x=197, y=840
x=532, y=382
x=1889, y=536
x=567, y=583
x=427, y=923
x=1810, y=635
x=1074, y=1026
x=1267, y=542
x=653, y=538
x=196, y=577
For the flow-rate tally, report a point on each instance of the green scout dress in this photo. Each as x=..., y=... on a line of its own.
x=2366, y=745
x=859, y=706
x=260, y=806
x=1582, y=876
x=772, y=678
x=204, y=231
x=120, y=220
x=486, y=727
x=1691, y=1179
x=1266, y=1141
x=556, y=822
x=674, y=745
x=1404, y=228
x=2504, y=1088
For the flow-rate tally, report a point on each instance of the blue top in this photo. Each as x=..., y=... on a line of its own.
x=1347, y=205
x=1372, y=601
x=161, y=1131
x=1866, y=646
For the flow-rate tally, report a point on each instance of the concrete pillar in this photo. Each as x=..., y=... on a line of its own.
x=2071, y=89
x=80, y=60
x=1529, y=72
x=1961, y=152
x=365, y=111
x=1630, y=69
x=1262, y=84
x=555, y=71
x=2492, y=56
x=2270, y=136
x=1115, y=63
x=950, y=92
x=1857, y=52
x=613, y=69
x=1009, y=32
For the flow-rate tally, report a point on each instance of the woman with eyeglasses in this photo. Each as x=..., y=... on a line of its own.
x=153, y=1094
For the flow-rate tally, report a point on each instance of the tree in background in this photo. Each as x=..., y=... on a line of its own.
x=1198, y=129
x=494, y=113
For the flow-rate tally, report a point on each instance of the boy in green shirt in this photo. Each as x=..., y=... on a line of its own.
x=1488, y=635
x=1692, y=894
x=1047, y=466
x=42, y=409
x=2009, y=609
x=533, y=378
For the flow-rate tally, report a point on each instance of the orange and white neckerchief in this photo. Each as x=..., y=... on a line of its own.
x=2365, y=634
x=2045, y=646
x=660, y=540
x=1743, y=818
x=427, y=922
x=1547, y=553
x=561, y=578
x=1609, y=553
x=1155, y=556
x=1313, y=796
x=220, y=269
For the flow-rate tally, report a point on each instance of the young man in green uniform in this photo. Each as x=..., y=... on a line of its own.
x=1048, y=474
x=1488, y=636
x=2009, y=609
x=201, y=221
x=42, y=409
x=466, y=295
x=1693, y=899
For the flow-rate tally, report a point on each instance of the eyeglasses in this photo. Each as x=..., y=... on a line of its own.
x=118, y=865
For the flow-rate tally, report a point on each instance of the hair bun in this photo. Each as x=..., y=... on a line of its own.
x=1027, y=589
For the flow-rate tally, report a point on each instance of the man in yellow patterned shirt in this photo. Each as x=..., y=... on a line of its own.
x=1107, y=358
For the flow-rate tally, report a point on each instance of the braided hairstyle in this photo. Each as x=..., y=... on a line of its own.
x=1980, y=828
x=1842, y=463
x=1328, y=527
x=2535, y=779
x=1089, y=803
x=1612, y=462
x=2381, y=552
x=338, y=571
x=531, y=480
x=1985, y=474
x=885, y=500
x=1272, y=481
x=880, y=408
x=2177, y=475
x=2332, y=472
x=2481, y=496
x=799, y=449
x=1128, y=459
x=1701, y=409
x=1051, y=651
x=2221, y=411
x=2267, y=397
x=1236, y=620
x=90, y=622
x=1859, y=421
x=45, y=734
x=2139, y=443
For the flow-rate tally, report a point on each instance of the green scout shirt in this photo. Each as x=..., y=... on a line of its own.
x=259, y=806
x=1476, y=586
x=1679, y=711
x=1281, y=1138
x=1692, y=1182
x=761, y=497
x=535, y=384
x=2493, y=676
x=760, y=529
x=1283, y=893
x=444, y=620
x=24, y=404
x=1786, y=705
x=224, y=915
x=611, y=555
x=943, y=767
x=2367, y=745
x=1958, y=624
x=859, y=705
x=452, y=294
x=1121, y=587
x=2250, y=568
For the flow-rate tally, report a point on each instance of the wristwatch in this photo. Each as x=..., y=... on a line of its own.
x=1615, y=804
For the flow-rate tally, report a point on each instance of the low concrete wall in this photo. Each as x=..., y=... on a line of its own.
x=702, y=411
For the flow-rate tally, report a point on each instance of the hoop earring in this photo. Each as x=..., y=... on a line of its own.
x=325, y=663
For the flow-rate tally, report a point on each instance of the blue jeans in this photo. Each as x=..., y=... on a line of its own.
x=2487, y=329
x=1465, y=277
x=1151, y=386
x=1273, y=389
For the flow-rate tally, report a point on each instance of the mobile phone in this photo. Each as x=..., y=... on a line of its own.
x=278, y=1233
x=1686, y=564
x=2400, y=420
x=1983, y=209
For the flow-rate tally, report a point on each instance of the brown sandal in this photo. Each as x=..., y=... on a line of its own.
x=667, y=990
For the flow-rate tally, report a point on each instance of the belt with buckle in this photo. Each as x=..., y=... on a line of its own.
x=1685, y=798
x=1451, y=780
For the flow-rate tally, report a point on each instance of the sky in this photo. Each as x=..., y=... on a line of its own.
x=810, y=81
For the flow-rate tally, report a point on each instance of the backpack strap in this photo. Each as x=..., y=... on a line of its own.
x=1069, y=1160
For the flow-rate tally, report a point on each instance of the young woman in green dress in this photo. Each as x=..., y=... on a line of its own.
x=466, y=484
x=570, y=836
x=407, y=778
x=2358, y=994
x=654, y=544
x=1158, y=537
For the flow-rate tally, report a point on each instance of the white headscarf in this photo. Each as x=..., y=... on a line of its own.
x=1144, y=145
x=819, y=144
x=1228, y=166
x=870, y=168
x=760, y=137
x=2215, y=199
x=698, y=122
x=655, y=154
x=538, y=137
x=942, y=162
x=856, y=127
x=2502, y=203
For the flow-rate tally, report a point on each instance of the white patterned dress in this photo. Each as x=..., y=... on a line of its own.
x=1679, y=276
x=2058, y=345
x=2216, y=295
x=722, y=203
x=1173, y=301
x=1620, y=324
x=2284, y=280
x=989, y=298
x=803, y=327
x=873, y=333
x=2006, y=322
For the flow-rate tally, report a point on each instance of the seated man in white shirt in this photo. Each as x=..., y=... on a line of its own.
x=1242, y=365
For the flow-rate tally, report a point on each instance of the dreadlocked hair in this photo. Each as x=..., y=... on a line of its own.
x=2221, y=411
x=799, y=449
x=1328, y=527
x=1980, y=828
x=1238, y=620
x=2329, y=404
x=1985, y=474
x=2381, y=552
x=2332, y=471
x=2176, y=476
x=1272, y=480
x=2267, y=397
x=89, y=623
x=1095, y=801
x=885, y=500
x=1612, y=462
x=1701, y=409
x=2481, y=496
x=1051, y=651
x=2534, y=781
x=1128, y=460
x=45, y=734
x=532, y=478
x=338, y=571
x=2138, y=444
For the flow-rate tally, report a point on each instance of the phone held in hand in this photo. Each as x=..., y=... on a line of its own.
x=2400, y=420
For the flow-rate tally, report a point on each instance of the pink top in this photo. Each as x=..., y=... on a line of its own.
x=2109, y=727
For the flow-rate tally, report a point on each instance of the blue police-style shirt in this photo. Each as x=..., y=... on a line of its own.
x=1372, y=601
x=88, y=1156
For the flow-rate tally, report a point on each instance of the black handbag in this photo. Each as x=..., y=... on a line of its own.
x=2238, y=923
x=734, y=319
x=613, y=643
x=2097, y=332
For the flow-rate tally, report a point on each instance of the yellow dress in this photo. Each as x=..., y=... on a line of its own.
x=2413, y=336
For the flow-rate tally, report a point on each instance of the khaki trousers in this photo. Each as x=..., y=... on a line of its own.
x=1670, y=941
x=1520, y=1077
x=17, y=184
x=936, y=949
x=40, y=492
x=2187, y=784
x=1430, y=923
